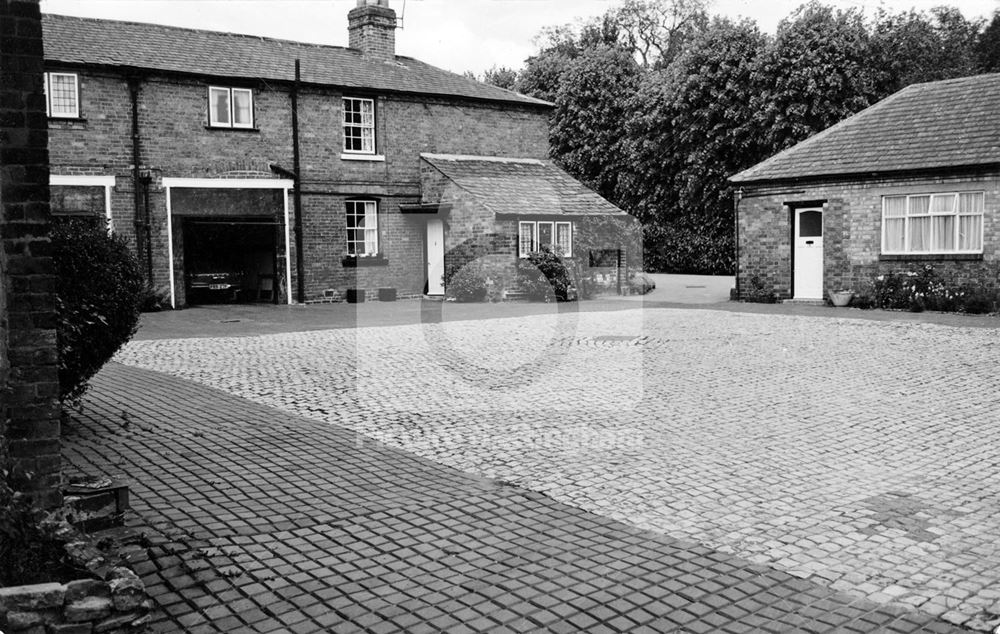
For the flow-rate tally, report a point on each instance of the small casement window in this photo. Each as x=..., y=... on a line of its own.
x=362, y=228
x=230, y=107
x=62, y=95
x=359, y=125
x=533, y=235
x=933, y=223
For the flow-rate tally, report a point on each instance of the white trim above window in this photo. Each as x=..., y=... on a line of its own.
x=534, y=234
x=359, y=125
x=107, y=182
x=62, y=95
x=230, y=107
x=933, y=224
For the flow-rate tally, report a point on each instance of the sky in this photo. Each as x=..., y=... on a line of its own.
x=458, y=35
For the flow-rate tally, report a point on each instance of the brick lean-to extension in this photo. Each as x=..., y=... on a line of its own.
x=29, y=382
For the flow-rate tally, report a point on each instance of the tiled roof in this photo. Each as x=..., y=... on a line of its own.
x=942, y=124
x=520, y=186
x=167, y=48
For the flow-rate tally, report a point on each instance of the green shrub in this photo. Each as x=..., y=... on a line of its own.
x=30, y=551
x=469, y=283
x=640, y=284
x=544, y=276
x=759, y=292
x=99, y=292
x=692, y=245
x=924, y=289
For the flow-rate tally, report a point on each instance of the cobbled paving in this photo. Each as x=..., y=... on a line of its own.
x=861, y=455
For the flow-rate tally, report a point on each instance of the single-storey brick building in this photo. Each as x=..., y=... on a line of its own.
x=225, y=170
x=914, y=179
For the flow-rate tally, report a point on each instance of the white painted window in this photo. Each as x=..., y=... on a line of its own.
x=359, y=126
x=533, y=235
x=62, y=95
x=947, y=223
x=230, y=107
x=362, y=228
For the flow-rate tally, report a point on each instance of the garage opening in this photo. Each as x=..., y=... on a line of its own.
x=231, y=260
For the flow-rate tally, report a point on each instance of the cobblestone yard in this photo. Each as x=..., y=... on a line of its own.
x=860, y=455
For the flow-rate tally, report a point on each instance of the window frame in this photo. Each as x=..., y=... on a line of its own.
x=956, y=214
x=352, y=244
x=535, y=240
x=345, y=124
x=47, y=89
x=231, y=104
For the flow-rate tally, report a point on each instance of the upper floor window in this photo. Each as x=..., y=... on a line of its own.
x=933, y=223
x=532, y=236
x=362, y=228
x=359, y=125
x=230, y=107
x=62, y=95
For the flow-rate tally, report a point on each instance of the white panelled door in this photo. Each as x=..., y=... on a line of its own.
x=435, y=257
x=808, y=254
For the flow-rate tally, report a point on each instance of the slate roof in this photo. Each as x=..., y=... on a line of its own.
x=521, y=186
x=942, y=124
x=91, y=41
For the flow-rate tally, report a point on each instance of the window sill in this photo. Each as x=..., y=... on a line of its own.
x=374, y=158
x=354, y=262
x=67, y=120
x=930, y=257
x=230, y=129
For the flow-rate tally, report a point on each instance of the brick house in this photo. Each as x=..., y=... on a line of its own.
x=204, y=149
x=914, y=179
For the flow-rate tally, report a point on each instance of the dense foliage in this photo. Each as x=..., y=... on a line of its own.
x=657, y=104
x=30, y=550
x=544, y=276
x=98, y=298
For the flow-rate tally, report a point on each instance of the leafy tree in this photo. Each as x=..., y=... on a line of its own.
x=592, y=106
x=657, y=30
x=815, y=72
x=501, y=77
x=691, y=129
x=914, y=47
x=988, y=47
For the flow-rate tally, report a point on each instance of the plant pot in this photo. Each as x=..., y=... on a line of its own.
x=841, y=298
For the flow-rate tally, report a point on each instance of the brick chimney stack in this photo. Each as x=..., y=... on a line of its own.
x=372, y=29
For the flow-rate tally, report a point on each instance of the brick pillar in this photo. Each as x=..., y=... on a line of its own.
x=29, y=380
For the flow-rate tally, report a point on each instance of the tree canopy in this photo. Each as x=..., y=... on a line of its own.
x=657, y=104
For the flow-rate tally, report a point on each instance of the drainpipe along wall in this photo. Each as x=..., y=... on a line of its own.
x=296, y=168
x=140, y=186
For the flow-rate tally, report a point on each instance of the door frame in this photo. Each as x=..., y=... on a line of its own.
x=427, y=256
x=793, y=214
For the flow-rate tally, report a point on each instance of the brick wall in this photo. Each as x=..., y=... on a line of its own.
x=30, y=407
x=177, y=143
x=852, y=231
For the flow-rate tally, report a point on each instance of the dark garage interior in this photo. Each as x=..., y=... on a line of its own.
x=230, y=260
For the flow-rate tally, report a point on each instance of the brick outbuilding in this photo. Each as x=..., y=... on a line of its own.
x=235, y=179
x=912, y=180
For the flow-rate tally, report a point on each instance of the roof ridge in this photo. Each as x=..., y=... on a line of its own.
x=485, y=159
x=189, y=29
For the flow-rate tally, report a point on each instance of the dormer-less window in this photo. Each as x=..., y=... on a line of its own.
x=62, y=95
x=230, y=107
x=359, y=126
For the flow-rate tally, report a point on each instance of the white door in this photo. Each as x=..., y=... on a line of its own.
x=808, y=254
x=435, y=257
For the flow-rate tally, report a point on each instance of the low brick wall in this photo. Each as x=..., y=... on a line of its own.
x=116, y=605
